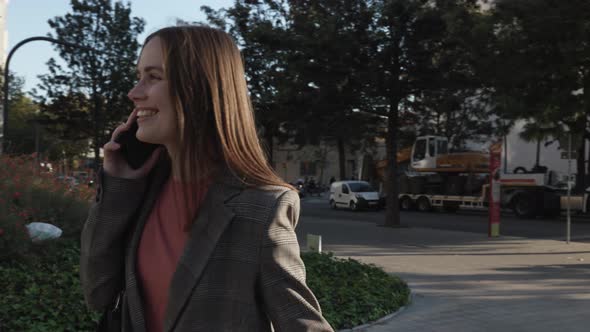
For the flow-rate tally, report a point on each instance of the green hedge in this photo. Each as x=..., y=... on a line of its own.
x=351, y=293
x=41, y=291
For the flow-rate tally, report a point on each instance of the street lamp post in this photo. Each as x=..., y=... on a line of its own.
x=3, y=141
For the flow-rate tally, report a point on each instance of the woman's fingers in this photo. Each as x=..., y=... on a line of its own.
x=125, y=125
x=131, y=117
x=111, y=146
x=120, y=128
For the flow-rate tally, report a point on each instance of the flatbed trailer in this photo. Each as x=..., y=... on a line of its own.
x=526, y=194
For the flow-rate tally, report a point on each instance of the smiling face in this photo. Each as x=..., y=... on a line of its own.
x=156, y=116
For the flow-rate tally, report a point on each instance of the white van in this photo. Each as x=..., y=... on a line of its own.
x=354, y=195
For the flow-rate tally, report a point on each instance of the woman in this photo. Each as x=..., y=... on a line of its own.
x=201, y=237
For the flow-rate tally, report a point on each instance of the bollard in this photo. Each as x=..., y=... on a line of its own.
x=314, y=243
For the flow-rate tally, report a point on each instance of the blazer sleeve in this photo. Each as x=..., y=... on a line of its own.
x=288, y=302
x=102, y=252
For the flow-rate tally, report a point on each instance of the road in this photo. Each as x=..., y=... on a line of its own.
x=465, y=221
x=462, y=280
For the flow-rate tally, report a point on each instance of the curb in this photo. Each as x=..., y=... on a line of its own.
x=382, y=319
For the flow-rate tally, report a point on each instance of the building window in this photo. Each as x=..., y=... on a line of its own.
x=308, y=168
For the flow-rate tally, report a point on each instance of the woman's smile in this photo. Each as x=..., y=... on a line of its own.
x=146, y=114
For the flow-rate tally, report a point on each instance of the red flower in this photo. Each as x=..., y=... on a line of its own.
x=1, y=231
x=17, y=194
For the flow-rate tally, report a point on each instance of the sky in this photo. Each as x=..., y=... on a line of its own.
x=28, y=18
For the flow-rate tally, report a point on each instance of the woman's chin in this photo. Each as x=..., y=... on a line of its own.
x=146, y=139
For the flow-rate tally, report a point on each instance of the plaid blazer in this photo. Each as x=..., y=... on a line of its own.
x=240, y=269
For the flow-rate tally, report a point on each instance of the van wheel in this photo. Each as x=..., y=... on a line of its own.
x=424, y=204
x=353, y=206
x=406, y=204
x=333, y=205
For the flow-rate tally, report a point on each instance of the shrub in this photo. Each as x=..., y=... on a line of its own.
x=28, y=197
x=351, y=293
x=41, y=292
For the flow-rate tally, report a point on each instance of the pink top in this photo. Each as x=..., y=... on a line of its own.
x=161, y=245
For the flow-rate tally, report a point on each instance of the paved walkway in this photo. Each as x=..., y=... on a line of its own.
x=467, y=282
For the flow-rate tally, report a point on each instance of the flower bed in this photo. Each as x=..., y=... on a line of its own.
x=28, y=196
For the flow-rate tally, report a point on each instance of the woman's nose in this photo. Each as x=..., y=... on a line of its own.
x=136, y=93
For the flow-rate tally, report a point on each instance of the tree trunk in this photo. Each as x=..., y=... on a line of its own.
x=538, y=152
x=96, y=129
x=392, y=217
x=581, y=169
x=341, y=158
x=585, y=130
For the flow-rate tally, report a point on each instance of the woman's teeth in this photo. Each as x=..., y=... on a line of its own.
x=144, y=113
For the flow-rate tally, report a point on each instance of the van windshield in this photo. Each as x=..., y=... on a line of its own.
x=360, y=187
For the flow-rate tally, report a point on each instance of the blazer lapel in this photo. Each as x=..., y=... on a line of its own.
x=213, y=219
x=159, y=177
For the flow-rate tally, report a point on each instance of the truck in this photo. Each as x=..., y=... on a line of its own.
x=432, y=177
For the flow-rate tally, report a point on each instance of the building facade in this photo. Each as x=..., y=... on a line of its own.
x=321, y=162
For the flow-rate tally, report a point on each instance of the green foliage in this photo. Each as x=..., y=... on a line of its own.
x=539, y=69
x=343, y=71
x=43, y=293
x=305, y=63
x=21, y=129
x=351, y=293
x=86, y=99
x=29, y=197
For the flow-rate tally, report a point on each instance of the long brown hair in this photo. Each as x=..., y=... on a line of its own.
x=208, y=86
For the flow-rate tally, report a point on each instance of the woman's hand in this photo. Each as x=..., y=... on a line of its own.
x=114, y=163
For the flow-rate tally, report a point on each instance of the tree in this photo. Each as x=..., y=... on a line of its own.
x=19, y=136
x=543, y=65
x=331, y=45
x=259, y=29
x=424, y=71
x=89, y=98
x=459, y=99
x=305, y=63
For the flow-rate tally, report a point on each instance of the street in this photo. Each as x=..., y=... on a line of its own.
x=465, y=221
x=528, y=279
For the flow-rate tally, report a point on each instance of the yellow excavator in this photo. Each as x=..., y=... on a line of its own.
x=439, y=171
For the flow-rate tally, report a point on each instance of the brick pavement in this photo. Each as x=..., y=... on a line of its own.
x=468, y=282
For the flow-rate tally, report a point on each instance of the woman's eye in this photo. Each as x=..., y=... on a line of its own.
x=153, y=77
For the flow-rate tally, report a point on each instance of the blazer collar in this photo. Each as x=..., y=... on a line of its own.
x=213, y=218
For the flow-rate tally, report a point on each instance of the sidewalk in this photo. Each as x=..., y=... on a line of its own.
x=467, y=282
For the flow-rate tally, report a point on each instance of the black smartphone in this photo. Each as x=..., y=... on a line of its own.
x=136, y=152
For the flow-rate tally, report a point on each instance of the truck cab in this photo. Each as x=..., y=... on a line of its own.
x=425, y=151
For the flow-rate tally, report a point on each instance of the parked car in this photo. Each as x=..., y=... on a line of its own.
x=354, y=195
